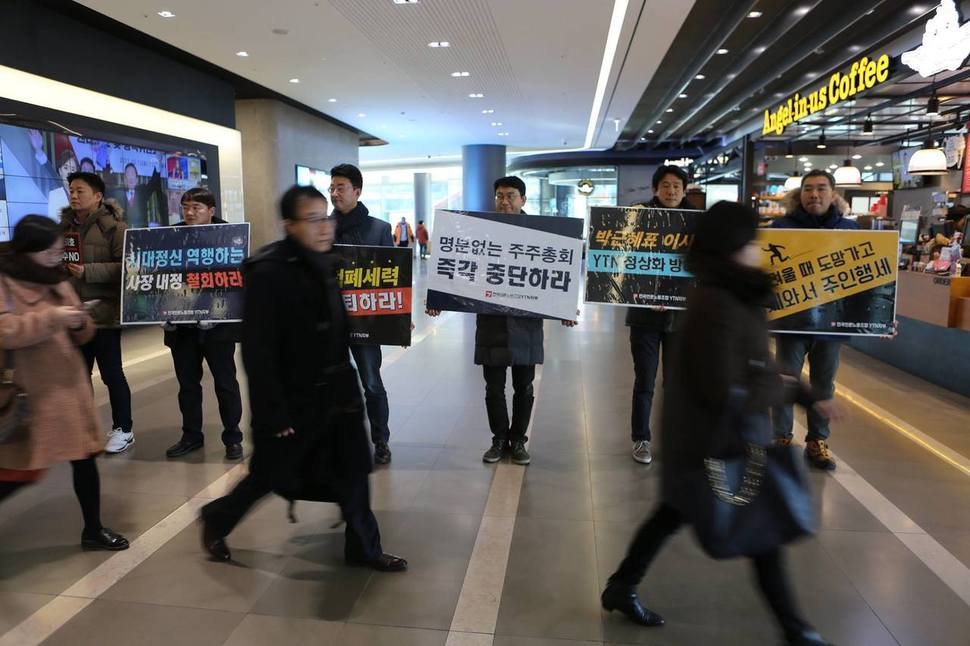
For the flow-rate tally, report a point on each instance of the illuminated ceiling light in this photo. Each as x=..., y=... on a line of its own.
x=617, y=19
x=857, y=156
x=670, y=109
x=880, y=164
x=833, y=166
x=867, y=126
x=821, y=142
x=294, y=80
x=435, y=44
x=496, y=124
x=801, y=11
x=700, y=77
x=361, y=115
x=459, y=74
x=855, y=48
x=166, y=14
x=867, y=168
x=721, y=51
x=918, y=9
x=650, y=131
x=803, y=159
x=847, y=174
x=928, y=161
x=683, y=96
x=659, y=123
x=793, y=182
x=476, y=95
x=405, y=1
x=488, y=111
x=242, y=54
x=754, y=14
x=331, y=100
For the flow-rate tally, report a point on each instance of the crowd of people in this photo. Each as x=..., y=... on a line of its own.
x=313, y=393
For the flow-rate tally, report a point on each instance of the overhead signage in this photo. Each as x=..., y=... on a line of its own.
x=946, y=43
x=865, y=74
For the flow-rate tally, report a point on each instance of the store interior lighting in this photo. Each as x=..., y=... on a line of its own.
x=847, y=175
x=867, y=127
x=821, y=141
x=928, y=161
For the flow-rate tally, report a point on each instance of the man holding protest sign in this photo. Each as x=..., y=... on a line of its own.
x=503, y=342
x=216, y=344
x=817, y=209
x=356, y=227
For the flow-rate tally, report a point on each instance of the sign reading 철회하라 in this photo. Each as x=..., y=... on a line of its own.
x=375, y=283
x=519, y=265
x=183, y=274
x=638, y=256
x=832, y=281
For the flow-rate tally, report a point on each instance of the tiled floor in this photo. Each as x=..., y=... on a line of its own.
x=579, y=503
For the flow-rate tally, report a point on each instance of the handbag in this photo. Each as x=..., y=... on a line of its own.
x=14, y=402
x=753, y=503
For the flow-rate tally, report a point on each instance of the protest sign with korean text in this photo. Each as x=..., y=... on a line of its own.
x=831, y=281
x=493, y=263
x=638, y=256
x=376, y=286
x=72, y=248
x=184, y=274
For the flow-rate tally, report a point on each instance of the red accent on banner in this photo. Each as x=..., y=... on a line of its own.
x=377, y=302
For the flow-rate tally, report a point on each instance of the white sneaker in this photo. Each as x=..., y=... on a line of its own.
x=119, y=441
x=641, y=452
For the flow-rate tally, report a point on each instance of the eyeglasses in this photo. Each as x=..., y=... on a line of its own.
x=343, y=188
x=316, y=219
x=506, y=196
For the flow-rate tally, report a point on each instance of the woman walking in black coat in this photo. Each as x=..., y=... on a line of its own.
x=728, y=350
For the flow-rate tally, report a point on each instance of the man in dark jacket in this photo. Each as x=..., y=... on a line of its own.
x=190, y=344
x=816, y=210
x=504, y=342
x=651, y=328
x=356, y=227
x=307, y=416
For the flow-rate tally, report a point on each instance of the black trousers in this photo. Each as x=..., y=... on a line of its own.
x=87, y=488
x=362, y=536
x=105, y=349
x=188, y=353
x=769, y=568
x=646, y=346
x=522, y=400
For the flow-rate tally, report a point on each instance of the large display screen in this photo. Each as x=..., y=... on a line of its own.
x=146, y=182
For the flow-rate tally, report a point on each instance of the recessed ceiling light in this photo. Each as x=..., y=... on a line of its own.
x=650, y=131
x=439, y=43
x=503, y=134
x=683, y=96
x=803, y=159
x=488, y=111
x=459, y=74
x=242, y=54
x=361, y=115
x=880, y=164
x=166, y=14
x=700, y=77
x=643, y=138
x=331, y=100
x=405, y=1
x=496, y=124
x=857, y=156
x=917, y=9
x=670, y=109
x=833, y=166
x=754, y=14
x=867, y=168
x=760, y=50
x=801, y=11
x=721, y=51
x=294, y=80
x=659, y=122
x=476, y=95
x=855, y=48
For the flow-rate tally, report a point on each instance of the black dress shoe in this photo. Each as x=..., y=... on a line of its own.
x=808, y=637
x=183, y=447
x=625, y=599
x=234, y=452
x=213, y=543
x=103, y=539
x=382, y=453
x=383, y=563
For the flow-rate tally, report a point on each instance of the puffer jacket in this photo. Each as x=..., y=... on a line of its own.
x=102, y=252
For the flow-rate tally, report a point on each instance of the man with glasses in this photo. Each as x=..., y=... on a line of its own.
x=817, y=209
x=309, y=441
x=216, y=344
x=356, y=227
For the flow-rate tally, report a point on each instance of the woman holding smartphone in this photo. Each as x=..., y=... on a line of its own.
x=42, y=325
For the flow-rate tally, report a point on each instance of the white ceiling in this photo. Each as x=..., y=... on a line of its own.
x=536, y=61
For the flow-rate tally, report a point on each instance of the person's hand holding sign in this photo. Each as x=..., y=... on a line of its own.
x=76, y=270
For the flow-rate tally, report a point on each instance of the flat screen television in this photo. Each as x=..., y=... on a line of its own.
x=908, y=230
x=146, y=181
x=319, y=179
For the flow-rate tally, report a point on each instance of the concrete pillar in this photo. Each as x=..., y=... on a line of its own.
x=481, y=165
x=422, y=199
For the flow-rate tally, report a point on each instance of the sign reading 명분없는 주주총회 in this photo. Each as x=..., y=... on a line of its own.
x=183, y=274
x=831, y=281
x=375, y=283
x=638, y=256
x=864, y=74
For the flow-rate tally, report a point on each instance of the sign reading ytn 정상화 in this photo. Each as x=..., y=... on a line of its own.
x=375, y=283
x=831, y=281
x=865, y=74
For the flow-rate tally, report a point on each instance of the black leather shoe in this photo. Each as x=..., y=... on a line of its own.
x=214, y=544
x=183, y=447
x=234, y=452
x=104, y=539
x=808, y=637
x=382, y=453
x=625, y=599
x=384, y=563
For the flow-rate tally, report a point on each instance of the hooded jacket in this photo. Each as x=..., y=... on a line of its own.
x=102, y=252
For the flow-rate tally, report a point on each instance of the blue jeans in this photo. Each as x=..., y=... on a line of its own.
x=368, y=359
x=823, y=363
x=645, y=345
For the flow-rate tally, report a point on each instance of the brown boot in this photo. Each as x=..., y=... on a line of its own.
x=817, y=454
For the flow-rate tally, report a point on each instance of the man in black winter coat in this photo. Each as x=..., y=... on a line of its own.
x=307, y=414
x=651, y=329
x=216, y=344
x=508, y=342
x=356, y=227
